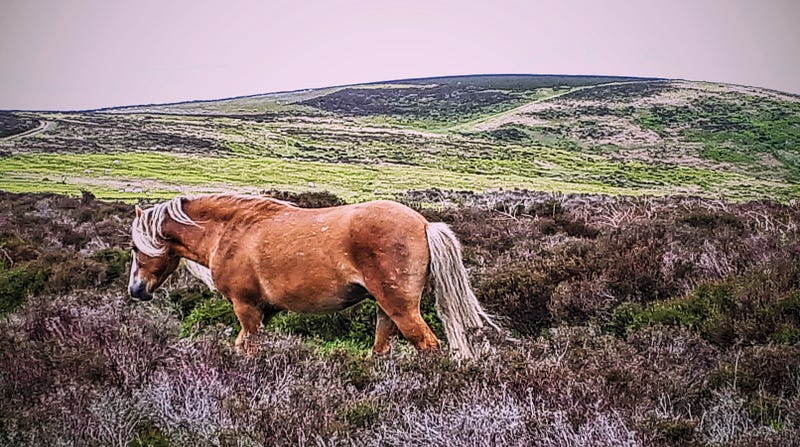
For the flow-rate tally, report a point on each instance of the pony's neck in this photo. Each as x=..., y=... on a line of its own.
x=212, y=214
x=196, y=243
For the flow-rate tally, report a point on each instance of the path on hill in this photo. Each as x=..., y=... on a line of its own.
x=487, y=120
x=45, y=125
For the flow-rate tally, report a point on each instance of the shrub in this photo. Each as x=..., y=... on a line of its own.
x=699, y=294
x=711, y=220
x=356, y=324
x=16, y=250
x=361, y=413
x=548, y=208
x=317, y=199
x=785, y=313
x=149, y=435
x=722, y=313
x=705, y=311
x=675, y=431
x=115, y=262
x=578, y=301
x=19, y=282
x=520, y=291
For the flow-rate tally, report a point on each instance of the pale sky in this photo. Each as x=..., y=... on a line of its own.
x=69, y=54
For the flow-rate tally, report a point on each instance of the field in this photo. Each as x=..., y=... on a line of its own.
x=559, y=134
x=639, y=238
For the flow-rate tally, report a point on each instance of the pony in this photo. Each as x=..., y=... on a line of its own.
x=268, y=256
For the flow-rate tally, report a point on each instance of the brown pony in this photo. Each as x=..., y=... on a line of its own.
x=266, y=256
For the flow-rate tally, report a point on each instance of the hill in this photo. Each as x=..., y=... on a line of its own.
x=583, y=134
x=640, y=316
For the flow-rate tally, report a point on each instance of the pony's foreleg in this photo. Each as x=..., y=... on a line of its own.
x=385, y=330
x=249, y=316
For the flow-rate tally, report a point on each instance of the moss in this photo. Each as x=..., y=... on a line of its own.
x=148, y=435
x=187, y=299
x=209, y=313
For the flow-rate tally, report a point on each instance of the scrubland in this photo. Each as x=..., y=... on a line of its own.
x=647, y=321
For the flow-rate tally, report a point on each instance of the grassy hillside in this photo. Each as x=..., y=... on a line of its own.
x=639, y=238
x=555, y=133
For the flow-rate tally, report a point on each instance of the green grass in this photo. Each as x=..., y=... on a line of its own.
x=115, y=175
x=161, y=175
x=757, y=134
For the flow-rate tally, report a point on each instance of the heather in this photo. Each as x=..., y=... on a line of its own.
x=635, y=321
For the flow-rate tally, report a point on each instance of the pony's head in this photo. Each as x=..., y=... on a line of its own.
x=154, y=257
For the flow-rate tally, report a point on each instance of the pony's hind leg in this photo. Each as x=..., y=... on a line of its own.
x=403, y=309
x=394, y=269
x=385, y=330
x=416, y=330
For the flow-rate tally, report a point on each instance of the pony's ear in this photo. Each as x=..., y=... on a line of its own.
x=138, y=211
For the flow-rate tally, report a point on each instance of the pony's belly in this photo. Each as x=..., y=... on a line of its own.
x=331, y=301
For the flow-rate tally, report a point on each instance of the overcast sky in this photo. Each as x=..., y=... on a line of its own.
x=67, y=54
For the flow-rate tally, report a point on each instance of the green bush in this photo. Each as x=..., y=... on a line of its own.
x=115, y=261
x=722, y=314
x=785, y=312
x=356, y=324
x=18, y=283
x=148, y=435
x=352, y=328
x=704, y=310
x=361, y=413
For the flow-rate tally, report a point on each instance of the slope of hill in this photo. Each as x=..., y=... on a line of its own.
x=556, y=133
x=637, y=321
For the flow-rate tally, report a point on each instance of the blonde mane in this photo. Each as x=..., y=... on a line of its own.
x=247, y=200
x=147, y=233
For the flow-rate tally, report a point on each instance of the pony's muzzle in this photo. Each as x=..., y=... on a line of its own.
x=139, y=291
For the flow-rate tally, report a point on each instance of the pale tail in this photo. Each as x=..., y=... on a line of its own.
x=459, y=310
